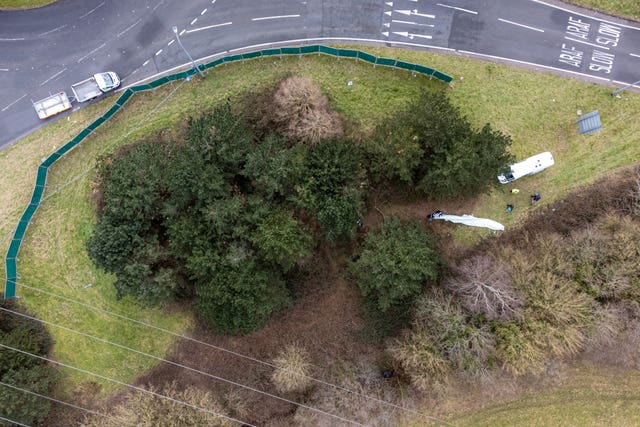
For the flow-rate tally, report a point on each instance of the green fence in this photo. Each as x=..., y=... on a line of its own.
x=11, y=258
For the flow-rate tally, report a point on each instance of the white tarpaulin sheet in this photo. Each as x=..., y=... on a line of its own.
x=472, y=221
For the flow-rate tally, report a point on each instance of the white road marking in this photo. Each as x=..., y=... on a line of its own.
x=92, y=52
x=534, y=64
x=210, y=26
x=414, y=12
x=213, y=1
x=182, y=32
x=4, y=69
x=54, y=76
x=411, y=23
x=586, y=16
x=275, y=17
x=129, y=27
x=194, y=21
x=633, y=54
x=521, y=25
x=12, y=40
x=203, y=12
x=159, y=52
x=458, y=8
x=171, y=42
x=157, y=6
x=411, y=36
x=92, y=10
x=52, y=31
x=584, y=42
x=145, y=62
x=5, y=108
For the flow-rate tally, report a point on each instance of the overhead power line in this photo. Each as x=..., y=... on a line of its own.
x=66, y=403
x=13, y=422
x=189, y=368
x=151, y=392
x=234, y=353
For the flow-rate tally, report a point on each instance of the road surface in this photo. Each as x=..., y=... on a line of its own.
x=45, y=50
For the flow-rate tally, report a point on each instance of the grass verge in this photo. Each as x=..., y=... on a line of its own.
x=23, y=4
x=537, y=110
x=629, y=9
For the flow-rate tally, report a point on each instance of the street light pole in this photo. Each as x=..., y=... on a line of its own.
x=175, y=31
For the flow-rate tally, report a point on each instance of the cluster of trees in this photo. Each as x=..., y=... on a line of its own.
x=515, y=310
x=22, y=371
x=227, y=215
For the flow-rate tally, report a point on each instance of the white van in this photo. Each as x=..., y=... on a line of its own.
x=533, y=164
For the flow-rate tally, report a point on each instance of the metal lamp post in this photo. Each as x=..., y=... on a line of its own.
x=175, y=31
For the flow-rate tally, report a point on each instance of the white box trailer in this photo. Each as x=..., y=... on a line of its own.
x=529, y=166
x=52, y=105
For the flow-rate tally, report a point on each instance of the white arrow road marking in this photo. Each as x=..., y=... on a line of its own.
x=411, y=23
x=386, y=34
x=411, y=36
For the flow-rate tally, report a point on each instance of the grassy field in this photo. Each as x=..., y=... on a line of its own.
x=629, y=9
x=537, y=110
x=23, y=4
x=587, y=398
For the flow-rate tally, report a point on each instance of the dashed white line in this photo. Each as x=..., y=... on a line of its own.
x=584, y=42
x=159, y=52
x=145, y=62
x=633, y=54
x=171, y=42
x=12, y=40
x=194, y=21
x=92, y=10
x=92, y=52
x=4, y=69
x=52, y=31
x=458, y=8
x=157, y=5
x=182, y=32
x=210, y=26
x=129, y=27
x=5, y=108
x=203, y=12
x=54, y=76
x=275, y=17
x=521, y=25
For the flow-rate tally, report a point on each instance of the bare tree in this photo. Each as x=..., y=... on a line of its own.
x=485, y=286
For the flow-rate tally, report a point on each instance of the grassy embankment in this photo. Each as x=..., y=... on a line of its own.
x=537, y=110
x=629, y=9
x=23, y=4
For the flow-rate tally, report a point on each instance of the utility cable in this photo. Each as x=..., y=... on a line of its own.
x=151, y=392
x=66, y=403
x=14, y=422
x=240, y=355
x=189, y=368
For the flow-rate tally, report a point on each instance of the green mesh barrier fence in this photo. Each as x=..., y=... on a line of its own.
x=11, y=258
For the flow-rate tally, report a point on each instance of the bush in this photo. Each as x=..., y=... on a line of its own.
x=299, y=110
x=395, y=264
x=240, y=296
x=145, y=410
x=294, y=370
x=485, y=286
x=430, y=145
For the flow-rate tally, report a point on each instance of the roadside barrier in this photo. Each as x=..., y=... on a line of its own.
x=11, y=258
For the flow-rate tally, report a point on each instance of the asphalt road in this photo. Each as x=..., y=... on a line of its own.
x=46, y=50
